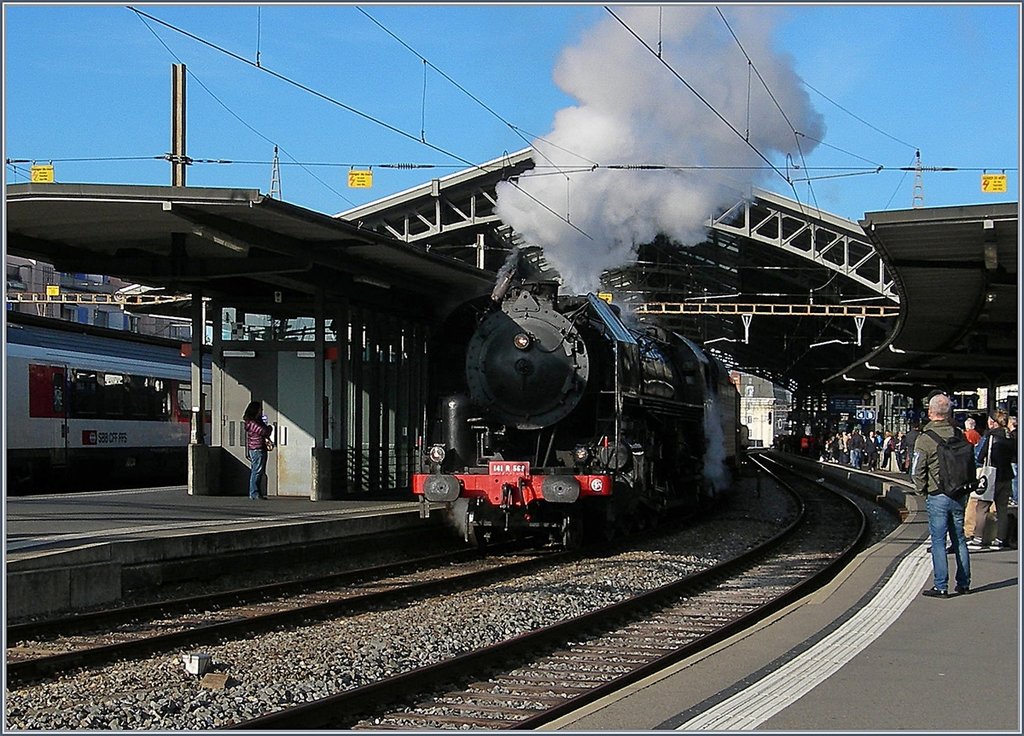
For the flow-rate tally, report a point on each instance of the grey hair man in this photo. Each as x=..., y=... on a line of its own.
x=945, y=514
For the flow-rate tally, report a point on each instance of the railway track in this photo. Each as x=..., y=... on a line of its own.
x=507, y=654
x=43, y=649
x=531, y=679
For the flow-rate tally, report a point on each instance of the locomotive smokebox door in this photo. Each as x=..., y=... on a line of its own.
x=526, y=365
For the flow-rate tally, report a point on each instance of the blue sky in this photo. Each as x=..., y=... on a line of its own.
x=93, y=82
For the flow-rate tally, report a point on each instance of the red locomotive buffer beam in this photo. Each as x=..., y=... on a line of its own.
x=502, y=476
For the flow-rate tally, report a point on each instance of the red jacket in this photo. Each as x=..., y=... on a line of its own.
x=257, y=432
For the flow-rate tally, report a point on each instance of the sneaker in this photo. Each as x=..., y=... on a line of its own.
x=976, y=544
x=963, y=589
x=935, y=593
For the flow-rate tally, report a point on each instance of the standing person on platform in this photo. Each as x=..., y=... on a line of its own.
x=1003, y=453
x=873, y=443
x=888, y=447
x=945, y=514
x=906, y=453
x=856, y=445
x=1011, y=424
x=257, y=445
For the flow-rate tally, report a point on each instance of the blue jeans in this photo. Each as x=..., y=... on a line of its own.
x=855, y=458
x=947, y=516
x=258, y=458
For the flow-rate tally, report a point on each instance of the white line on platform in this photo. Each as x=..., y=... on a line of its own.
x=749, y=708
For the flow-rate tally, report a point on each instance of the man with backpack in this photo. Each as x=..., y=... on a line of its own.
x=943, y=468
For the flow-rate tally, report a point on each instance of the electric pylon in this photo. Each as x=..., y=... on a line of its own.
x=275, y=177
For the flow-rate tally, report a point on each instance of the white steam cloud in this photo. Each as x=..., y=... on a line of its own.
x=632, y=110
x=715, y=470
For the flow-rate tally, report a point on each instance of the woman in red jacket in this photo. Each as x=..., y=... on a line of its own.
x=257, y=444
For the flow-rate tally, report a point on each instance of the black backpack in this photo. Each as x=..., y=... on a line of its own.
x=957, y=470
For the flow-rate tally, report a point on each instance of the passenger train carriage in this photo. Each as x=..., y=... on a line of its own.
x=92, y=408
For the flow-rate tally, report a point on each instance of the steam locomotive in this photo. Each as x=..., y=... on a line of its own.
x=554, y=418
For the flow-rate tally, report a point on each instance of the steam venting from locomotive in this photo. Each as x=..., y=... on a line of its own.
x=633, y=111
x=715, y=470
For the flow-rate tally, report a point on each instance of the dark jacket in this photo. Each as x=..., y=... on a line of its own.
x=924, y=464
x=1004, y=452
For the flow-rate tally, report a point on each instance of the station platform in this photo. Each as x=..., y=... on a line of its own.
x=65, y=552
x=867, y=652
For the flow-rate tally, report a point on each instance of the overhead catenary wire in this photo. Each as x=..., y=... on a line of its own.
x=537, y=170
x=796, y=136
x=857, y=117
x=427, y=63
x=349, y=108
x=235, y=115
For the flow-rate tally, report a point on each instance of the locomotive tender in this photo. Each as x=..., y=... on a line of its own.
x=553, y=417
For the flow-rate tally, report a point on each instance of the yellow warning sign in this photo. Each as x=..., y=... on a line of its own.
x=42, y=174
x=605, y=296
x=993, y=183
x=52, y=290
x=358, y=179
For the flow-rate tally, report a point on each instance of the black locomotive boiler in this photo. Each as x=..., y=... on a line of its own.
x=554, y=417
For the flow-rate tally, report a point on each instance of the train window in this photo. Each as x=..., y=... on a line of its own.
x=184, y=400
x=113, y=400
x=85, y=394
x=137, y=398
x=159, y=398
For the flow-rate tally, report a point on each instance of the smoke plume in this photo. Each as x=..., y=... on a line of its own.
x=633, y=110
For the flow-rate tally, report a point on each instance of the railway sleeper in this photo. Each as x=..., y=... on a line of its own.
x=405, y=720
x=456, y=698
x=486, y=709
x=522, y=690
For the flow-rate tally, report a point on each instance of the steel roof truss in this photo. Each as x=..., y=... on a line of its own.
x=808, y=239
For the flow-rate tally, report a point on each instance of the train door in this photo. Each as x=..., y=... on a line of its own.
x=48, y=400
x=294, y=419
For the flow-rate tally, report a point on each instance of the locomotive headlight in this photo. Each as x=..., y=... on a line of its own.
x=436, y=454
x=522, y=341
x=581, y=453
x=597, y=484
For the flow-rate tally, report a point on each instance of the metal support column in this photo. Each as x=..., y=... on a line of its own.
x=321, y=465
x=203, y=475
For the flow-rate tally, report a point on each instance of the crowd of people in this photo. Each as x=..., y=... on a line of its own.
x=893, y=451
x=878, y=450
x=970, y=522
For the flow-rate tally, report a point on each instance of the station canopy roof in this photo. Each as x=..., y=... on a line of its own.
x=956, y=270
x=232, y=244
